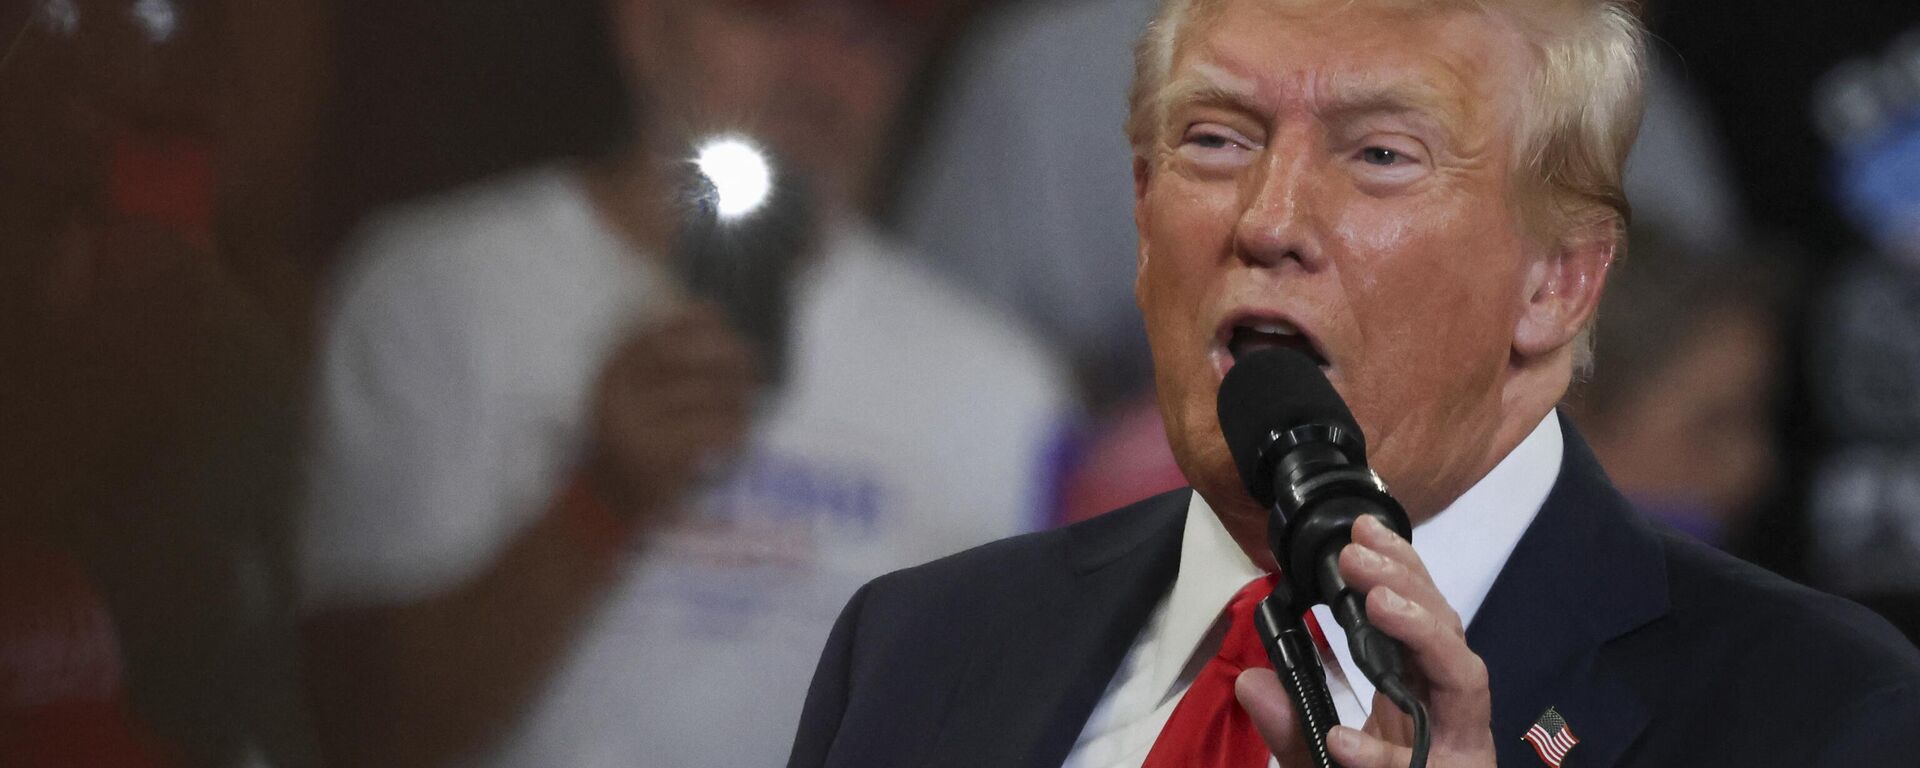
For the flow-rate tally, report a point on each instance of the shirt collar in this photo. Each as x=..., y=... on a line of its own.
x=1212, y=569
x=1464, y=547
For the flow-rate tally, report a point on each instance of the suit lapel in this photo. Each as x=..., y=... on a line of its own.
x=1588, y=570
x=1036, y=674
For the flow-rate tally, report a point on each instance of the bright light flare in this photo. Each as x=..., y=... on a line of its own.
x=741, y=176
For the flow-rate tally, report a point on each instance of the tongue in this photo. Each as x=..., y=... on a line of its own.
x=1247, y=341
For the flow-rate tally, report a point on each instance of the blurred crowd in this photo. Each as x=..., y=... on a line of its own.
x=531, y=382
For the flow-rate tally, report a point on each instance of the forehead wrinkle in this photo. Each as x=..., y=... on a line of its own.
x=1204, y=83
x=1206, y=73
x=1341, y=100
x=1455, y=87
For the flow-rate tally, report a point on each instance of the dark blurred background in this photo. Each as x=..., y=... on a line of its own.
x=334, y=332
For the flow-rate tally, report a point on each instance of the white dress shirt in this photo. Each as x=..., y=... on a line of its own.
x=1464, y=547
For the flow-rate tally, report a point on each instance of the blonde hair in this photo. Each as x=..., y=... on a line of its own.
x=1581, y=117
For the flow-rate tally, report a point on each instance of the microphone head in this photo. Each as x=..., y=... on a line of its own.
x=1272, y=391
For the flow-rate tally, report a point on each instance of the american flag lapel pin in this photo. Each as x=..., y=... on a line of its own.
x=1551, y=737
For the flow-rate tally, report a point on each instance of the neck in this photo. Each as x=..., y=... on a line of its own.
x=1244, y=519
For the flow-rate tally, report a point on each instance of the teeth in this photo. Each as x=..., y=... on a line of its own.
x=1277, y=327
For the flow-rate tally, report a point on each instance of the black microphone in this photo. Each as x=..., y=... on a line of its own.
x=1301, y=455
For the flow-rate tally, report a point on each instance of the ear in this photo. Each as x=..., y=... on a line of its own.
x=1142, y=174
x=1563, y=289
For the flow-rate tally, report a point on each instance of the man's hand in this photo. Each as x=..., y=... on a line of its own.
x=674, y=398
x=1403, y=602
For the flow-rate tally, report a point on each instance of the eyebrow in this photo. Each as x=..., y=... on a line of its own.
x=1348, y=101
x=1405, y=97
x=1199, y=87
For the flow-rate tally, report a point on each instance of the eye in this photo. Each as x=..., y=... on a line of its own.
x=1209, y=141
x=1381, y=156
x=1385, y=164
x=1215, y=136
x=1214, y=147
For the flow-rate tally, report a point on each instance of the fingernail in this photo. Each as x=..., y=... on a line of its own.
x=1341, y=738
x=1393, y=600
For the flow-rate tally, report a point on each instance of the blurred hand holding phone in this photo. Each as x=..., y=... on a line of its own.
x=678, y=396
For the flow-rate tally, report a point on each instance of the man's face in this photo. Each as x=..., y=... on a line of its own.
x=817, y=80
x=1343, y=172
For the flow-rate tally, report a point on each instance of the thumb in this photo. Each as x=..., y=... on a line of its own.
x=1261, y=695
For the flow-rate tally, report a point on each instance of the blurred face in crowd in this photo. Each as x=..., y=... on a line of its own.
x=1697, y=435
x=816, y=79
x=1342, y=174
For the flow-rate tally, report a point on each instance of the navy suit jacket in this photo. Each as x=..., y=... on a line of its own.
x=1655, y=649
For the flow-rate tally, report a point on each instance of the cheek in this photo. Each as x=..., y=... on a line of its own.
x=1189, y=221
x=1188, y=233
x=1431, y=299
x=1430, y=284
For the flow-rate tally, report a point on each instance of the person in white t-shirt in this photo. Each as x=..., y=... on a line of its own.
x=519, y=548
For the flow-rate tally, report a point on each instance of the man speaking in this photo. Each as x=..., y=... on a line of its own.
x=1424, y=197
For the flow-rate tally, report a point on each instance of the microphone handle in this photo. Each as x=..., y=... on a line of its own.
x=1290, y=648
x=1379, y=656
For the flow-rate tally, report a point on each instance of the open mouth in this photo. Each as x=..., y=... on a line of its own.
x=1251, y=335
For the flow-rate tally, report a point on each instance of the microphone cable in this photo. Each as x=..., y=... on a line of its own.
x=1397, y=692
x=1291, y=649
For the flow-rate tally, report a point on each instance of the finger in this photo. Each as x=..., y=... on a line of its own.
x=641, y=380
x=690, y=331
x=1367, y=569
x=724, y=435
x=1261, y=695
x=715, y=452
x=665, y=399
x=677, y=460
x=1356, y=749
x=648, y=338
x=1381, y=557
x=1368, y=530
x=692, y=315
x=700, y=434
x=655, y=432
x=1456, y=677
x=717, y=350
x=631, y=419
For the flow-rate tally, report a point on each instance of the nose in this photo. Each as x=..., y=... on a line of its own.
x=1279, y=221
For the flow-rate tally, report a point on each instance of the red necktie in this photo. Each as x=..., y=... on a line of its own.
x=1208, y=729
